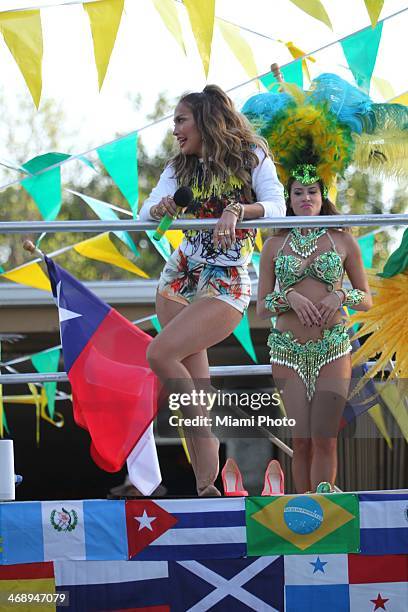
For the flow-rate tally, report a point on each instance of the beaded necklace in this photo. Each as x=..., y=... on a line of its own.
x=305, y=245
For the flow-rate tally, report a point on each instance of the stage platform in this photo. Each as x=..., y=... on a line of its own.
x=337, y=552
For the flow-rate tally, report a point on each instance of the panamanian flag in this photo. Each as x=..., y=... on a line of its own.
x=113, y=388
x=346, y=583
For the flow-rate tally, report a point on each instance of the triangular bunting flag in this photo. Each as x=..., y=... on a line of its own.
x=47, y=361
x=361, y=51
x=23, y=35
x=374, y=8
x=30, y=275
x=243, y=335
x=315, y=9
x=104, y=212
x=45, y=189
x=120, y=161
x=239, y=47
x=102, y=249
x=201, y=15
x=168, y=12
x=104, y=17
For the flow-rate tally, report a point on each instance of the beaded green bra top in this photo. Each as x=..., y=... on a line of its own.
x=326, y=267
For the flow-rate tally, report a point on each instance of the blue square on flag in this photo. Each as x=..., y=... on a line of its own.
x=113, y=387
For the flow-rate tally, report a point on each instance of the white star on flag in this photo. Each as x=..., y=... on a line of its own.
x=145, y=521
x=64, y=313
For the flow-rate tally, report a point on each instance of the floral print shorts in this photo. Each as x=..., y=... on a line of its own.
x=184, y=280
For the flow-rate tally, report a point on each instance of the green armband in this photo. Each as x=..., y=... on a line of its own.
x=277, y=302
x=353, y=297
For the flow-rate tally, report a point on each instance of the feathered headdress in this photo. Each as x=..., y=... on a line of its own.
x=317, y=134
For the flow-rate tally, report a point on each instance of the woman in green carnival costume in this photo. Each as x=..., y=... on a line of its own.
x=310, y=135
x=205, y=288
x=310, y=347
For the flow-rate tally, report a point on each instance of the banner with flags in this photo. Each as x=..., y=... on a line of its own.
x=113, y=388
x=295, y=524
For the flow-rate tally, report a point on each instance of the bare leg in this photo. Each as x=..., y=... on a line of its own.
x=327, y=408
x=178, y=356
x=293, y=394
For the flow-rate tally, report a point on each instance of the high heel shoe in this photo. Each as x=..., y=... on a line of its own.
x=232, y=480
x=274, y=483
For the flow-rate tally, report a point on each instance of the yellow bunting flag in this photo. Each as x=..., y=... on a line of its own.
x=384, y=87
x=30, y=275
x=168, y=12
x=297, y=53
x=402, y=99
x=239, y=46
x=23, y=36
x=374, y=8
x=175, y=238
x=201, y=15
x=104, y=17
x=258, y=240
x=394, y=395
x=376, y=414
x=38, y=401
x=102, y=249
x=333, y=193
x=315, y=9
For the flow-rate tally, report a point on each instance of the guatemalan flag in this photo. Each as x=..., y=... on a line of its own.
x=114, y=391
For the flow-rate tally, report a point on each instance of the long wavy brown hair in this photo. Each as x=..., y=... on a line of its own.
x=228, y=140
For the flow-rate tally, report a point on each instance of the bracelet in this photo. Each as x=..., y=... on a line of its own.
x=340, y=300
x=236, y=209
x=285, y=293
x=354, y=297
x=276, y=302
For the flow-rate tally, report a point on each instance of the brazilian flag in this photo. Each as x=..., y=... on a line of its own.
x=303, y=524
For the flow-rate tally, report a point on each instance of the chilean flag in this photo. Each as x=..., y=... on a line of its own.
x=114, y=391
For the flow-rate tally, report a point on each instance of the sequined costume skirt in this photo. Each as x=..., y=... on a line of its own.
x=308, y=359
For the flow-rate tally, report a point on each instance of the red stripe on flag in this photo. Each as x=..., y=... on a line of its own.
x=364, y=569
x=27, y=571
x=148, y=609
x=114, y=390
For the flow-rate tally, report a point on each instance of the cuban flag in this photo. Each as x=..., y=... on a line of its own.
x=114, y=391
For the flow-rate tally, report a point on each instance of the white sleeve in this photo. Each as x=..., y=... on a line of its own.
x=166, y=186
x=268, y=189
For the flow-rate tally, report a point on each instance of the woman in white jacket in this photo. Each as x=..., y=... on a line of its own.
x=204, y=288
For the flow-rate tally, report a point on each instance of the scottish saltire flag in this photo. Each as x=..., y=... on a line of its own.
x=384, y=523
x=113, y=388
x=346, y=583
x=45, y=531
x=31, y=579
x=294, y=524
x=235, y=584
x=115, y=585
x=186, y=529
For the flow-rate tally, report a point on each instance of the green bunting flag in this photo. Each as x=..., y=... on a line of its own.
x=120, y=161
x=302, y=524
x=45, y=189
x=242, y=333
x=104, y=212
x=397, y=262
x=366, y=244
x=292, y=73
x=361, y=51
x=47, y=361
x=162, y=245
x=156, y=323
x=255, y=261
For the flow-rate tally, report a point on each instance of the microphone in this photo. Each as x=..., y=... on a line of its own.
x=182, y=198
